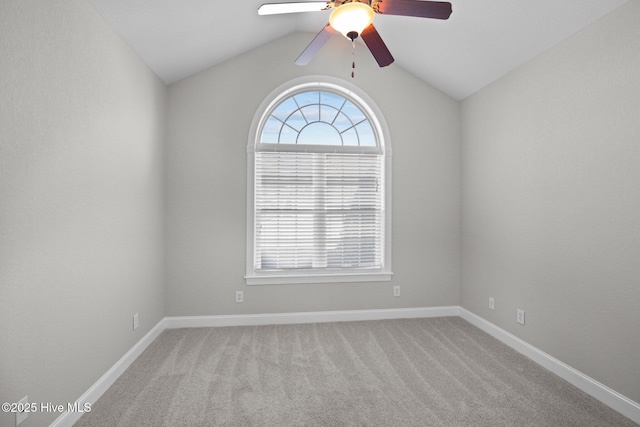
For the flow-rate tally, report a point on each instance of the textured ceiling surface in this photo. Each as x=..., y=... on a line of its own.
x=482, y=41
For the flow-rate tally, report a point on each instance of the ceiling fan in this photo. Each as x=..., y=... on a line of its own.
x=354, y=18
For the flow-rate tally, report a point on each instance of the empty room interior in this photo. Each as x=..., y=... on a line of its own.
x=489, y=211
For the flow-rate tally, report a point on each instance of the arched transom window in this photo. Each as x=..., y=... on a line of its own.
x=318, y=117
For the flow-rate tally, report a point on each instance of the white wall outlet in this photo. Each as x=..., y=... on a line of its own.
x=239, y=296
x=492, y=304
x=135, y=321
x=24, y=405
x=520, y=316
x=396, y=291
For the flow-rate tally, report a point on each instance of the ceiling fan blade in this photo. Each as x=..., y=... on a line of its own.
x=377, y=47
x=318, y=41
x=419, y=8
x=309, y=6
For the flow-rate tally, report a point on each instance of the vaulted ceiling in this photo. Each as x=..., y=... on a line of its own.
x=482, y=41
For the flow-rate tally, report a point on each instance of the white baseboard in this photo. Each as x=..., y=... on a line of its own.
x=604, y=394
x=307, y=317
x=67, y=419
x=609, y=397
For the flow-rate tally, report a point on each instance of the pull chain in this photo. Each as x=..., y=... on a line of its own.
x=353, y=58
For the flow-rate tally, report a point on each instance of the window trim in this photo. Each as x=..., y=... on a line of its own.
x=349, y=91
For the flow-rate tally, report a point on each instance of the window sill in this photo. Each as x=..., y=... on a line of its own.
x=282, y=279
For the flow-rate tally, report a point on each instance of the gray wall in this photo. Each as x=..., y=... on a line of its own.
x=551, y=201
x=81, y=247
x=209, y=117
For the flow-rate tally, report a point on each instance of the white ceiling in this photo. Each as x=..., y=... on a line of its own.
x=482, y=41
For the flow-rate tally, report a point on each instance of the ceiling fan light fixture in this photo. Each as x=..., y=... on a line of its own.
x=351, y=19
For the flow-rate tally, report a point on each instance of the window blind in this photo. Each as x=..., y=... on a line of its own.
x=318, y=211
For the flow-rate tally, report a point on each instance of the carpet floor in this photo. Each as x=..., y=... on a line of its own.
x=408, y=372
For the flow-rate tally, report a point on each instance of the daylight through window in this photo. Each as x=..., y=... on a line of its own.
x=319, y=192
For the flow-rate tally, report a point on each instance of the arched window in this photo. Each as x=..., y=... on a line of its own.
x=318, y=192
x=317, y=116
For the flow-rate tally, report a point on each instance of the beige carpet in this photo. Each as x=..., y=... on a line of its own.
x=416, y=372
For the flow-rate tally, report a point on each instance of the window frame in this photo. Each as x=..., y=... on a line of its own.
x=359, y=98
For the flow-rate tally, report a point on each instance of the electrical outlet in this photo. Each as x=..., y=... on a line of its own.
x=491, y=303
x=396, y=291
x=135, y=321
x=239, y=296
x=520, y=316
x=24, y=405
